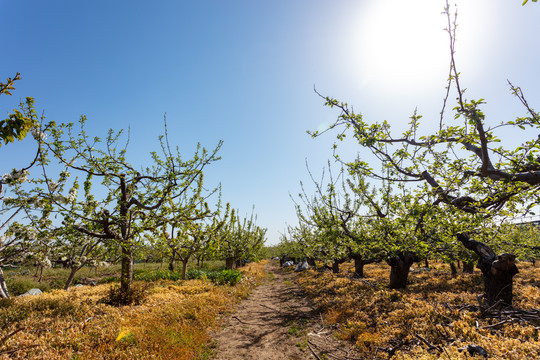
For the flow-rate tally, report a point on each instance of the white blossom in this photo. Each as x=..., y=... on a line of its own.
x=15, y=176
x=52, y=186
x=38, y=134
x=72, y=195
x=46, y=262
x=31, y=234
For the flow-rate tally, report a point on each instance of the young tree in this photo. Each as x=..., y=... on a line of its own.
x=239, y=239
x=131, y=198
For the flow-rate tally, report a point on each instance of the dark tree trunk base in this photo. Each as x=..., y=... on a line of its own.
x=229, y=263
x=359, y=263
x=399, y=269
x=453, y=269
x=468, y=267
x=497, y=271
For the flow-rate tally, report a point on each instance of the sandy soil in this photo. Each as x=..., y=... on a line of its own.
x=277, y=322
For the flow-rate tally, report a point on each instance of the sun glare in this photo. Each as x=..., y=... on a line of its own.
x=403, y=45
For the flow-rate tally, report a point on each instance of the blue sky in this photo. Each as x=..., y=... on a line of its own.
x=244, y=72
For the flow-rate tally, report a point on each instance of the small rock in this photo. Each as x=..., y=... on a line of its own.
x=33, y=292
x=301, y=266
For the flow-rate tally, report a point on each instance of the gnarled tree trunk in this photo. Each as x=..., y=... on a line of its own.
x=336, y=263
x=497, y=271
x=399, y=269
x=359, y=263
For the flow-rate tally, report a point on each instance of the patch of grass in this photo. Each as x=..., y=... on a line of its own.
x=154, y=275
x=19, y=285
x=218, y=277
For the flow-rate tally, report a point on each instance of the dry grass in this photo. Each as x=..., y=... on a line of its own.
x=173, y=322
x=436, y=307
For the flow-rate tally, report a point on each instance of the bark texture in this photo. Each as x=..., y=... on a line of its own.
x=498, y=271
x=399, y=269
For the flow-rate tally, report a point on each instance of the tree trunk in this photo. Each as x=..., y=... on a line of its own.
x=239, y=263
x=399, y=269
x=4, y=294
x=468, y=267
x=71, y=276
x=311, y=262
x=172, y=260
x=335, y=265
x=359, y=263
x=229, y=263
x=426, y=263
x=184, y=268
x=358, y=267
x=126, y=275
x=497, y=271
x=453, y=269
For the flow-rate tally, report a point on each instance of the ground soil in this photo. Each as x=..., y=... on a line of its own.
x=276, y=322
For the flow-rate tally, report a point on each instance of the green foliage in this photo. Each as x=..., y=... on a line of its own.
x=157, y=275
x=18, y=123
x=224, y=277
x=218, y=277
x=196, y=274
x=20, y=285
x=239, y=239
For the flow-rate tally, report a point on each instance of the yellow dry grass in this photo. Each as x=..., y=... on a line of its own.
x=435, y=307
x=172, y=323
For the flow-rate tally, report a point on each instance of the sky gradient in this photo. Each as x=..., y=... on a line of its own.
x=244, y=72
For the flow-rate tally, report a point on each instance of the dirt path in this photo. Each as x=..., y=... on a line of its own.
x=276, y=322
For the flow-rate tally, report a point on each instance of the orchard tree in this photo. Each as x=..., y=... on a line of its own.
x=126, y=200
x=15, y=127
x=239, y=239
x=74, y=250
x=179, y=227
x=463, y=162
x=329, y=213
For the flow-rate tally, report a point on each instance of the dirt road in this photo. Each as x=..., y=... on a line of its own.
x=276, y=322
